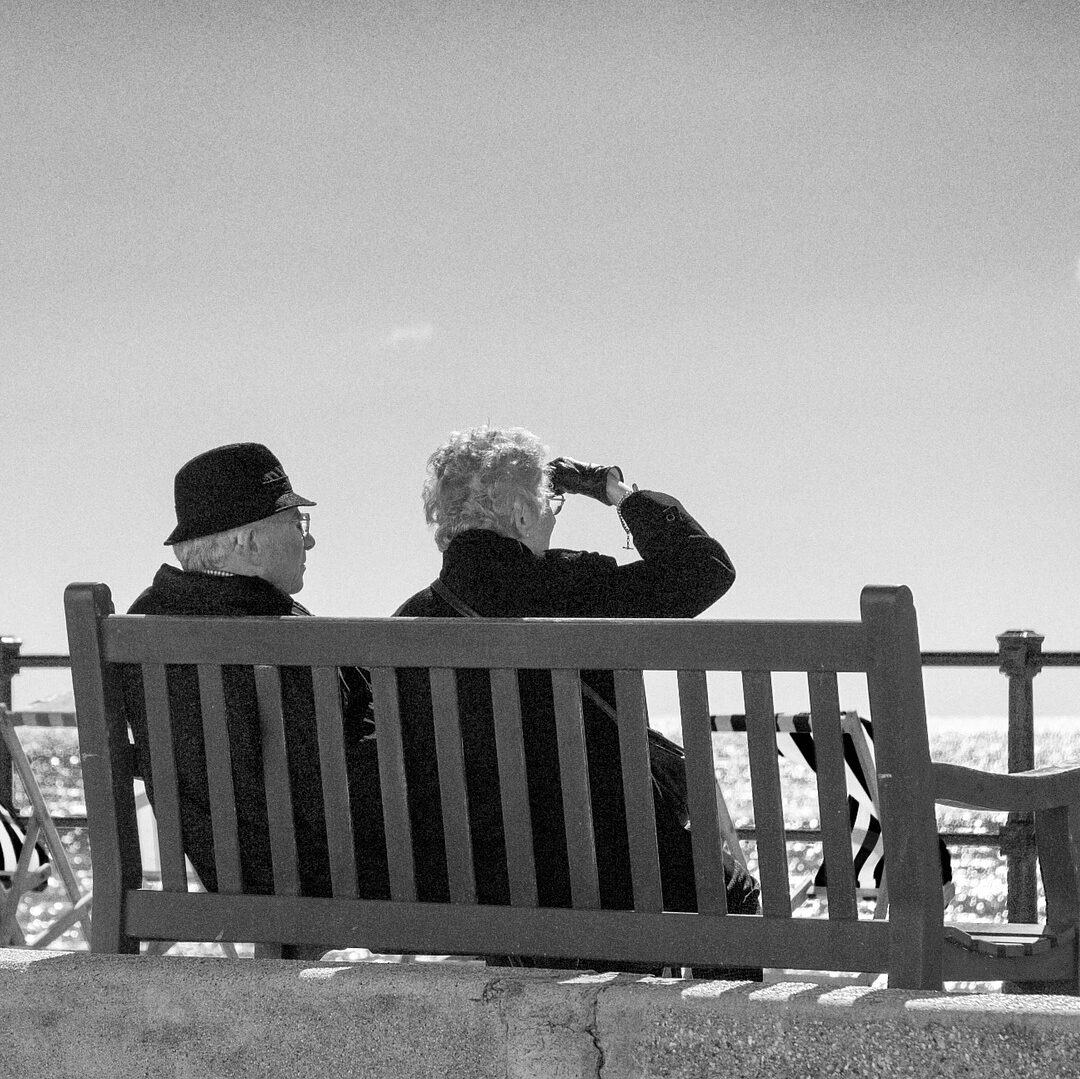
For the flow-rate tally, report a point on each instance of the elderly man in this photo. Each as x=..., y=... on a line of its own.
x=242, y=542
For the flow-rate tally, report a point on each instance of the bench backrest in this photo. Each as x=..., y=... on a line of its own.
x=883, y=646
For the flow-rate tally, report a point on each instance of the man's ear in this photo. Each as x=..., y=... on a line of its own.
x=250, y=547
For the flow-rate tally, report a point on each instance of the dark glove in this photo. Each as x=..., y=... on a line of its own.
x=576, y=478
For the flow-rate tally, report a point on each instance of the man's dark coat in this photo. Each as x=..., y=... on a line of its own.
x=175, y=592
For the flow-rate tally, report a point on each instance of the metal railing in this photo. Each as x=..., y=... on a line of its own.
x=1019, y=657
x=12, y=662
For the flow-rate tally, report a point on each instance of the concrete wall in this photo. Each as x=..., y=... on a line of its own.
x=78, y=1016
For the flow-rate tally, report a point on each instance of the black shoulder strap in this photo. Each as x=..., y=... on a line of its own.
x=439, y=587
x=666, y=759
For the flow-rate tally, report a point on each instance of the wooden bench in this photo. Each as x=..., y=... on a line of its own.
x=913, y=944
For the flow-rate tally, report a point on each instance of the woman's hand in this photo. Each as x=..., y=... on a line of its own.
x=617, y=490
x=602, y=482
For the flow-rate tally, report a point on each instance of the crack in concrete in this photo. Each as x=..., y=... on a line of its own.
x=540, y=1025
x=494, y=993
x=591, y=1030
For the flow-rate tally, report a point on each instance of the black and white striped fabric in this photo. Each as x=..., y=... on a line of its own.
x=12, y=842
x=795, y=740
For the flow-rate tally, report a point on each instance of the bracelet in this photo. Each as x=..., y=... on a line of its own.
x=622, y=519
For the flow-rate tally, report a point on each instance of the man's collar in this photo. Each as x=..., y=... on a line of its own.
x=297, y=608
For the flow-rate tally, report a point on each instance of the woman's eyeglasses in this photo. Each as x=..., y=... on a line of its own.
x=556, y=504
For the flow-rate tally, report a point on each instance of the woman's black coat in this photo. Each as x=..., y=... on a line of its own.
x=681, y=572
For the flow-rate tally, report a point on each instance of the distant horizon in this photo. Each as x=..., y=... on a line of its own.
x=62, y=702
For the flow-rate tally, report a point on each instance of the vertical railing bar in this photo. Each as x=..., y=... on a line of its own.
x=632, y=709
x=767, y=795
x=392, y=780
x=577, y=805
x=168, y=829
x=452, y=787
x=705, y=832
x=279, y=802
x=832, y=795
x=1020, y=652
x=9, y=667
x=326, y=683
x=219, y=778
x=514, y=787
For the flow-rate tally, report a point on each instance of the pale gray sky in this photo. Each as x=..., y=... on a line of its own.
x=811, y=267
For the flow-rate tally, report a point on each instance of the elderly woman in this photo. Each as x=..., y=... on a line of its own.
x=493, y=503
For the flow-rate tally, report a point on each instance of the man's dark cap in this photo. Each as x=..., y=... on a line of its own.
x=227, y=487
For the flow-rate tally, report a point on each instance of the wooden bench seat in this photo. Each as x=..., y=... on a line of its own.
x=912, y=943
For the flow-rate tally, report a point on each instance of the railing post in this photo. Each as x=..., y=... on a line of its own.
x=1020, y=652
x=9, y=667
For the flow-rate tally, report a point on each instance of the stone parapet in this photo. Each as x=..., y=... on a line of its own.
x=69, y=1014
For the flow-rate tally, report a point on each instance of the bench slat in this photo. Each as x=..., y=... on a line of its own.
x=279, y=807
x=455, y=801
x=434, y=928
x=219, y=778
x=513, y=784
x=577, y=804
x=632, y=710
x=701, y=791
x=832, y=795
x=767, y=795
x=339, y=827
x=163, y=777
x=393, y=784
x=633, y=644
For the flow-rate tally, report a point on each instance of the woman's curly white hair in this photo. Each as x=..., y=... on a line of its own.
x=475, y=476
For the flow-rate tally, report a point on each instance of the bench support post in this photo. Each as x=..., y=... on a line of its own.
x=905, y=785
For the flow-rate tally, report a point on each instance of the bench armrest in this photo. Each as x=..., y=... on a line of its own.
x=1013, y=792
x=1053, y=796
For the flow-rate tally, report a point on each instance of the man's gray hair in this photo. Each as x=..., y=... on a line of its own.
x=208, y=552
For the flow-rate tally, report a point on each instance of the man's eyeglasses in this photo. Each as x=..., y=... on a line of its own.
x=304, y=520
x=556, y=504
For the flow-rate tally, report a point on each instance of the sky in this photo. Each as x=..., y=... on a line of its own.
x=812, y=267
